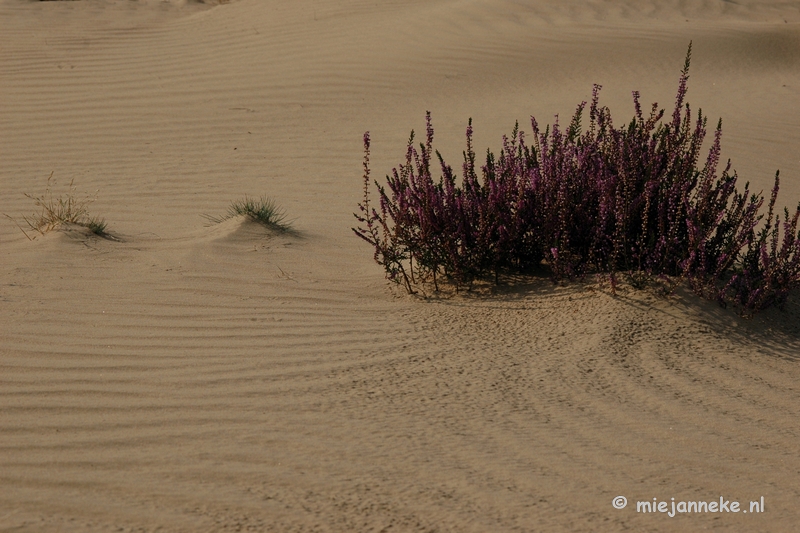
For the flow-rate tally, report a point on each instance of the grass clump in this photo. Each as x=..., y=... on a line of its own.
x=262, y=210
x=634, y=199
x=63, y=209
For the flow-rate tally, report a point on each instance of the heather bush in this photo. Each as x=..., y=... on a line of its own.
x=608, y=200
x=770, y=267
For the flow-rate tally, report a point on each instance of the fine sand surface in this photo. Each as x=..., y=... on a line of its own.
x=190, y=378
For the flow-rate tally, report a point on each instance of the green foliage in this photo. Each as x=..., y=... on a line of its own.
x=262, y=210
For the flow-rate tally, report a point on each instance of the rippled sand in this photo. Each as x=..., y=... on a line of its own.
x=186, y=377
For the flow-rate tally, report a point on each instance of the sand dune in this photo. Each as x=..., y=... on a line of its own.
x=187, y=377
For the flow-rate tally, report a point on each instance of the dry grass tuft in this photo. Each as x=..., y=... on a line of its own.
x=56, y=211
